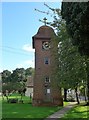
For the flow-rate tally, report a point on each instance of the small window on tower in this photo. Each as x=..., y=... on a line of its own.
x=46, y=60
x=48, y=90
x=47, y=79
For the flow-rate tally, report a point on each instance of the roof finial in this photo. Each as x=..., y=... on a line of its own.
x=44, y=21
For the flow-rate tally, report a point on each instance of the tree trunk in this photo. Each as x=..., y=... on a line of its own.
x=85, y=94
x=21, y=96
x=65, y=94
x=87, y=71
x=88, y=90
x=77, y=95
x=7, y=98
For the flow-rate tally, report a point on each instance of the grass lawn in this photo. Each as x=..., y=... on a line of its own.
x=25, y=110
x=80, y=111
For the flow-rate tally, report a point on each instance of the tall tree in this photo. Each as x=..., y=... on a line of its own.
x=71, y=65
x=77, y=21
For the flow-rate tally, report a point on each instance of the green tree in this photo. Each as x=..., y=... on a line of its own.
x=29, y=71
x=76, y=16
x=5, y=76
x=18, y=75
x=13, y=81
x=70, y=63
x=10, y=86
x=17, y=79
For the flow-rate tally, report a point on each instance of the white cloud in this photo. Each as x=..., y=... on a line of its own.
x=1, y=70
x=28, y=48
x=26, y=64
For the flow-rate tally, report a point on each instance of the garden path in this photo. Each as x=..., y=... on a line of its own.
x=60, y=113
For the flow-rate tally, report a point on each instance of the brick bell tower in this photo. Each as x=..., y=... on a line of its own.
x=43, y=92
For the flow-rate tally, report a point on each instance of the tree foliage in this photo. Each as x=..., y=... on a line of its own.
x=15, y=80
x=71, y=64
x=77, y=22
x=6, y=76
x=18, y=75
x=76, y=15
x=29, y=71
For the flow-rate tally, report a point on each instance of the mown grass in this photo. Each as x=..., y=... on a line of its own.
x=25, y=110
x=11, y=111
x=80, y=111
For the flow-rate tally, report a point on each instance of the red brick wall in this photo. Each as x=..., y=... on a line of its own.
x=41, y=71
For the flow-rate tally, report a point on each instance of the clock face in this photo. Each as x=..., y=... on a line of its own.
x=46, y=45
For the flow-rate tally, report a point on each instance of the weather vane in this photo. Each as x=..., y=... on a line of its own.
x=44, y=21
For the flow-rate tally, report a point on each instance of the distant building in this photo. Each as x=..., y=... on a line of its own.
x=29, y=86
x=71, y=93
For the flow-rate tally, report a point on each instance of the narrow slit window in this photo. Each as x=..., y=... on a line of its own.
x=46, y=60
